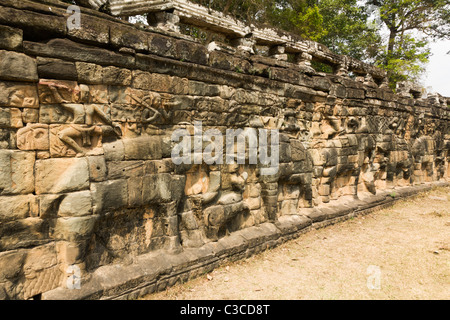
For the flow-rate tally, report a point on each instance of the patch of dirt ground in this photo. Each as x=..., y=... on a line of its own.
x=398, y=253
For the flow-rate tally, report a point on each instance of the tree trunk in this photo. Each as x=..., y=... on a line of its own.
x=391, y=45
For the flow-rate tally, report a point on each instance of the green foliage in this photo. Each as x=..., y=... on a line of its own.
x=347, y=27
x=342, y=25
x=299, y=17
x=194, y=32
x=321, y=67
x=428, y=16
x=406, y=52
x=349, y=30
x=407, y=60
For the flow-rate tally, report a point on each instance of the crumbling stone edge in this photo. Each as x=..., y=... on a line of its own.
x=157, y=271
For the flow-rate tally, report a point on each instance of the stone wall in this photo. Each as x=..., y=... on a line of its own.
x=87, y=180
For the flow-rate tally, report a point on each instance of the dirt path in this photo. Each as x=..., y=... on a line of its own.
x=400, y=253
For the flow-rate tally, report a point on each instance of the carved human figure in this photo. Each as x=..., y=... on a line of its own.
x=155, y=107
x=82, y=126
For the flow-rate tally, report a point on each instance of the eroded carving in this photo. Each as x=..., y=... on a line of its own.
x=79, y=134
x=33, y=137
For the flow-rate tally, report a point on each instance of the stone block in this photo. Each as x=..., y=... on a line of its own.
x=10, y=118
x=188, y=221
x=30, y=116
x=318, y=158
x=98, y=94
x=285, y=153
x=33, y=137
x=125, y=169
x=17, y=207
x=254, y=191
x=159, y=166
x=191, y=52
x=17, y=67
x=49, y=68
x=114, y=151
x=197, y=88
x=161, y=45
x=298, y=151
x=135, y=192
x=128, y=36
x=142, y=79
x=117, y=76
x=215, y=215
x=97, y=168
x=177, y=185
x=49, y=205
x=35, y=21
x=355, y=93
x=162, y=188
x=89, y=73
x=19, y=95
x=92, y=29
x=10, y=38
x=68, y=50
x=230, y=198
x=292, y=223
x=74, y=229
x=253, y=203
x=214, y=181
x=40, y=258
x=126, y=113
x=143, y=148
x=16, y=118
x=324, y=189
x=23, y=233
x=68, y=253
x=179, y=86
x=11, y=264
x=321, y=83
x=109, y=195
x=68, y=90
x=289, y=207
x=76, y=204
x=16, y=172
x=61, y=175
x=220, y=60
x=44, y=280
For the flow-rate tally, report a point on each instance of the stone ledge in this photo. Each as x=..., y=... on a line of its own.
x=155, y=271
x=98, y=32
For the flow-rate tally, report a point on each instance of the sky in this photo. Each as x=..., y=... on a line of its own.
x=438, y=69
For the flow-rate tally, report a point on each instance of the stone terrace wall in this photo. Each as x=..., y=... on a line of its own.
x=87, y=180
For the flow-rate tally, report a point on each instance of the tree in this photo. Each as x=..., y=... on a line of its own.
x=346, y=27
x=302, y=17
x=349, y=29
x=411, y=24
x=342, y=25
